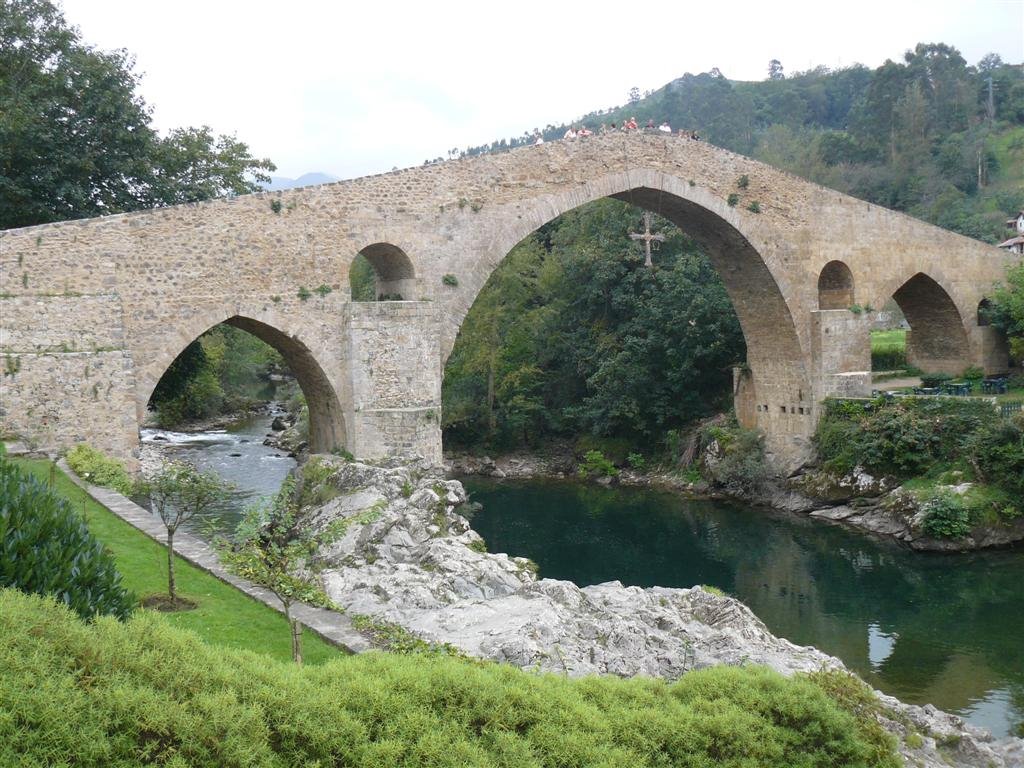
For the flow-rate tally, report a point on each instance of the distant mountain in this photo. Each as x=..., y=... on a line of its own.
x=305, y=180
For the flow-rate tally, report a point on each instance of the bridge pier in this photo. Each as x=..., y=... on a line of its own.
x=394, y=353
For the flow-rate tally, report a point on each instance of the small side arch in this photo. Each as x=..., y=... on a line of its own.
x=835, y=286
x=394, y=276
x=984, y=307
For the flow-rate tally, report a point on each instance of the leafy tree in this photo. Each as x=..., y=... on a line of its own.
x=775, y=70
x=179, y=492
x=76, y=139
x=573, y=334
x=1006, y=310
x=275, y=546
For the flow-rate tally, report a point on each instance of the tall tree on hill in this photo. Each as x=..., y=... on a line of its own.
x=75, y=136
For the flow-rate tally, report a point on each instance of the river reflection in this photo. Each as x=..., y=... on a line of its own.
x=927, y=628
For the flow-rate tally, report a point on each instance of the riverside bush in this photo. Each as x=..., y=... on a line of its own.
x=947, y=516
x=595, y=464
x=99, y=469
x=900, y=439
x=144, y=692
x=46, y=548
x=737, y=463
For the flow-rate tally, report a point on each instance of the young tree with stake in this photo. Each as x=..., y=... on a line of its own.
x=179, y=492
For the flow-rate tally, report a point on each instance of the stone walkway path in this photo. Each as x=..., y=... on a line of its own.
x=335, y=628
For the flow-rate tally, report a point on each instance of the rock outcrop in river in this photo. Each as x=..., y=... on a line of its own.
x=409, y=557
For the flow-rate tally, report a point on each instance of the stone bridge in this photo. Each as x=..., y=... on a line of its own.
x=94, y=311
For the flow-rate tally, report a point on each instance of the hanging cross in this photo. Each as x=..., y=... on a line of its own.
x=647, y=237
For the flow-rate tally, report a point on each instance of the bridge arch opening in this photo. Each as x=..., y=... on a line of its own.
x=835, y=286
x=192, y=387
x=767, y=381
x=936, y=338
x=382, y=272
x=984, y=308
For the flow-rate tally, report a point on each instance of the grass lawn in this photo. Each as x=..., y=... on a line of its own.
x=886, y=340
x=224, y=616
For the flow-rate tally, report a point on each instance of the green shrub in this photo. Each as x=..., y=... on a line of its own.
x=946, y=516
x=996, y=452
x=616, y=449
x=637, y=461
x=743, y=182
x=932, y=380
x=889, y=358
x=99, y=469
x=303, y=293
x=738, y=463
x=595, y=464
x=973, y=373
x=46, y=548
x=143, y=692
x=450, y=280
x=733, y=199
x=754, y=207
x=899, y=439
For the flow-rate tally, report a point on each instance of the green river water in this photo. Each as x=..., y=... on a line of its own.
x=927, y=628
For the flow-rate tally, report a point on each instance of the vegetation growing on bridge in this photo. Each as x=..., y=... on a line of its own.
x=105, y=694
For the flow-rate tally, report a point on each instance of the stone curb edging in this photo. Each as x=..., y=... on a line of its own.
x=335, y=628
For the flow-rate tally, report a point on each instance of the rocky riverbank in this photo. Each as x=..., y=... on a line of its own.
x=413, y=560
x=857, y=499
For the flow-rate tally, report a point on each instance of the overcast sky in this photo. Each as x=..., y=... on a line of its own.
x=351, y=88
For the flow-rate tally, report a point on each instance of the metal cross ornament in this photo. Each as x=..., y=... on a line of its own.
x=647, y=236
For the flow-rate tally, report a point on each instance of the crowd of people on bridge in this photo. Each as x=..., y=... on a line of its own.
x=628, y=126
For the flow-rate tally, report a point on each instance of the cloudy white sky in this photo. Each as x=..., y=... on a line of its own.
x=351, y=88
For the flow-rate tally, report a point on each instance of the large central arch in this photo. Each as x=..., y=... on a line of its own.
x=775, y=393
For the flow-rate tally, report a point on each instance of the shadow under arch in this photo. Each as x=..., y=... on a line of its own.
x=326, y=418
x=393, y=271
x=937, y=341
x=835, y=286
x=777, y=394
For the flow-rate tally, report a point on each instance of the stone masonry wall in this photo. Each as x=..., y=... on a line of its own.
x=394, y=354
x=176, y=271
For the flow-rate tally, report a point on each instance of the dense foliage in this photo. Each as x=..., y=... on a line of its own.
x=99, y=469
x=1006, y=310
x=105, y=694
x=46, y=548
x=220, y=372
x=573, y=335
x=76, y=139
x=924, y=135
x=926, y=437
